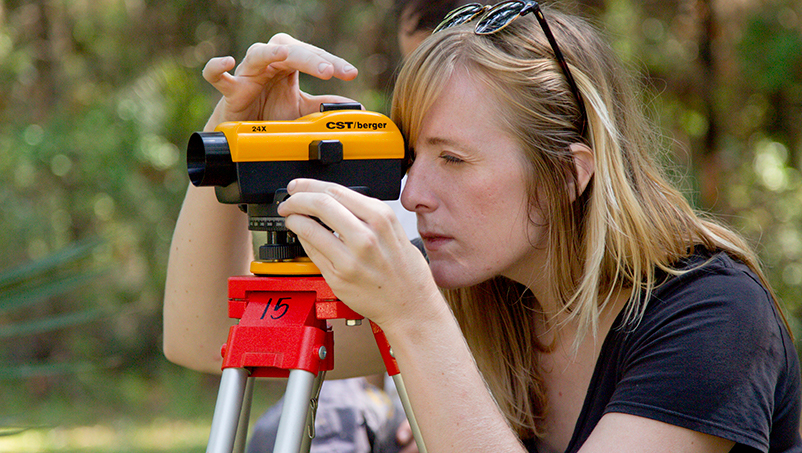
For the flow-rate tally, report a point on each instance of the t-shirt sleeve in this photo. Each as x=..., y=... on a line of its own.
x=706, y=356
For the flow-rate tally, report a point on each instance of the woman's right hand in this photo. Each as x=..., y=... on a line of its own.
x=265, y=85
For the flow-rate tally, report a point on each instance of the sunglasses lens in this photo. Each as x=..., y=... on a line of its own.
x=499, y=17
x=459, y=16
x=453, y=22
x=469, y=9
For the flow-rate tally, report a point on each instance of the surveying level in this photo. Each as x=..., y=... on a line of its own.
x=283, y=308
x=251, y=163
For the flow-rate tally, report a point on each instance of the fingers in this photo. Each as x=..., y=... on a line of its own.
x=216, y=73
x=347, y=211
x=314, y=237
x=315, y=57
x=298, y=211
x=259, y=57
x=323, y=207
x=285, y=53
x=369, y=263
x=264, y=86
x=366, y=229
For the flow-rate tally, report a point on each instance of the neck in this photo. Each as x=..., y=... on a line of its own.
x=559, y=326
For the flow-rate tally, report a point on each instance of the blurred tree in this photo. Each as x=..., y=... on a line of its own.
x=727, y=84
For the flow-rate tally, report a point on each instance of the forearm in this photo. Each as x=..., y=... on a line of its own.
x=451, y=401
x=211, y=242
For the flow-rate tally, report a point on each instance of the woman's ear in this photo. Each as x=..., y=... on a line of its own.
x=585, y=166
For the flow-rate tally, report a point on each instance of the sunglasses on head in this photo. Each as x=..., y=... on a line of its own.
x=493, y=19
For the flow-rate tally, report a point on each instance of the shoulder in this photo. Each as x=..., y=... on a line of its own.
x=715, y=294
x=713, y=326
x=715, y=309
x=711, y=274
x=710, y=354
x=712, y=307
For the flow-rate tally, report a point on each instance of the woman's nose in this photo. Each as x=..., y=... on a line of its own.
x=418, y=195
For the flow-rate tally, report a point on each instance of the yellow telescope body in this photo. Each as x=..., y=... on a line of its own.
x=250, y=160
x=364, y=135
x=250, y=164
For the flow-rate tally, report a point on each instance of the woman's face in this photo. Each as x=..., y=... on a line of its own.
x=468, y=189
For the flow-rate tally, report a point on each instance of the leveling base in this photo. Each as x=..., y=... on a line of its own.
x=283, y=333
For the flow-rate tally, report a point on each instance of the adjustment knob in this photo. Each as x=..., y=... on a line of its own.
x=280, y=252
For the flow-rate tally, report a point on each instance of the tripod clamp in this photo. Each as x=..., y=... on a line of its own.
x=283, y=333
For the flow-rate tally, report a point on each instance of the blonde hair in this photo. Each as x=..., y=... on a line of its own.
x=627, y=224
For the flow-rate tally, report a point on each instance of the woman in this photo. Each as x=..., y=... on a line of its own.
x=585, y=306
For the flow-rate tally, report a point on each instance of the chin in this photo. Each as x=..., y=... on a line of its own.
x=448, y=277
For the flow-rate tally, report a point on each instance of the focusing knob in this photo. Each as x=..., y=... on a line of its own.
x=280, y=252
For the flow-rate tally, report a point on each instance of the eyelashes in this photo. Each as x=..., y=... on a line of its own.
x=451, y=159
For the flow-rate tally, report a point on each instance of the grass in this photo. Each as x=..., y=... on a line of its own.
x=103, y=411
x=160, y=435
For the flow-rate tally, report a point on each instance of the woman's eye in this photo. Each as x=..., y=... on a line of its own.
x=451, y=159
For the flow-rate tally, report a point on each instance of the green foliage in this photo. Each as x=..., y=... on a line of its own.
x=765, y=195
x=733, y=115
x=764, y=192
x=770, y=49
x=22, y=292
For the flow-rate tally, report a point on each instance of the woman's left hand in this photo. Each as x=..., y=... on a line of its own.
x=369, y=263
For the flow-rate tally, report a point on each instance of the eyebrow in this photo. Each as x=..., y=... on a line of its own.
x=454, y=144
x=441, y=141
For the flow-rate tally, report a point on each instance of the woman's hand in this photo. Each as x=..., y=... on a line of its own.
x=369, y=263
x=265, y=84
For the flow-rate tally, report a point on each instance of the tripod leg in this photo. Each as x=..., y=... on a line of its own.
x=227, y=410
x=293, y=414
x=306, y=442
x=413, y=423
x=244, y=418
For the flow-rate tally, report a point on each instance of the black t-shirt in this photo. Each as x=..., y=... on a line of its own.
x=711, y=354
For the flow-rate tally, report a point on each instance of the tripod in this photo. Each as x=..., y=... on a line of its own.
x=283, y=333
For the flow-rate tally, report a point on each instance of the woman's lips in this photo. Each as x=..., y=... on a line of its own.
x=434, y=242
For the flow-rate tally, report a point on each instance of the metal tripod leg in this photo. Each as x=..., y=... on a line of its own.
x=291, y=426
x=245, y=418
x=306, y=442
x=413, y=422
x=227, y=410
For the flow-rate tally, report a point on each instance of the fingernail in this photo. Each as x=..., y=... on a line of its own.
x=348, y=68
x=323, y=66
x=291, y=186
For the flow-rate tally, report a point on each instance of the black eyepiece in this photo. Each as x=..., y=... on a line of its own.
x=209, y=160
